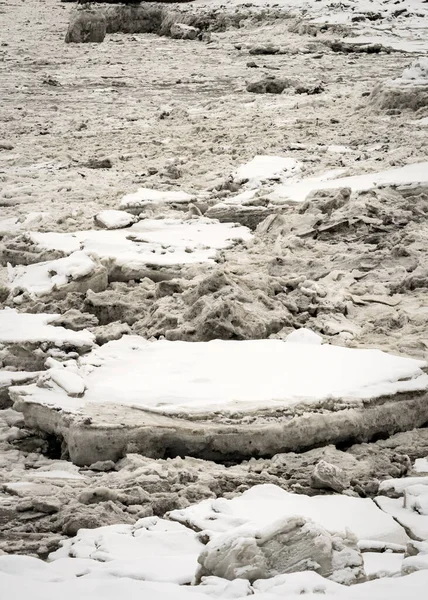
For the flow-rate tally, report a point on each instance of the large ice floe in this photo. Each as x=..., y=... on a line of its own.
x=222, y=398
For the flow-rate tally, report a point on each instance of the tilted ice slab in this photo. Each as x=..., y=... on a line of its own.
x=264, y=504
x=298, y=191
x=222, y=398
x=23, y=328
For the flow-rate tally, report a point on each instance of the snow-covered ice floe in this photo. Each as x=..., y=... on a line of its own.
x=262, y=505
x=331, y=392
x=263, y=168
x=125, y=253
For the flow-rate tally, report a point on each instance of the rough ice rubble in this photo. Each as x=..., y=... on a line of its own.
x=229, y=375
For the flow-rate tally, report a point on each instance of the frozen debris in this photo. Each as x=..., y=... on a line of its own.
x=266, y=168
x=263, y=505
x=114, y=219
x=77, y=272
x=330, y=477
x=146, y=197
x=289, y=545
x=230, y=375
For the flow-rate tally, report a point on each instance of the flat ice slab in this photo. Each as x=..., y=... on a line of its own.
x=177, y=377
x=147, y=197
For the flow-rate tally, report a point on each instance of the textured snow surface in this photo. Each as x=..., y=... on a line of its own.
x=264, y=504
x=19, y=328
x=232, y=374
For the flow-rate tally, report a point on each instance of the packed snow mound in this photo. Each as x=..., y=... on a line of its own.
x=263, y=505
x=230, y=375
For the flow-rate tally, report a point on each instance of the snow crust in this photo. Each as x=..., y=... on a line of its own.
x=227, y=375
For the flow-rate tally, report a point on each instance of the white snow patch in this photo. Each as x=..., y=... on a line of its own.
x=264, y=168
x=115, y=219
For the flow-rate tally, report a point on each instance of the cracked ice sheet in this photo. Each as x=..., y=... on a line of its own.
x=231, y=375
x=299, y=190
x=265, y=504
x=150, y=242
x=19, y=328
